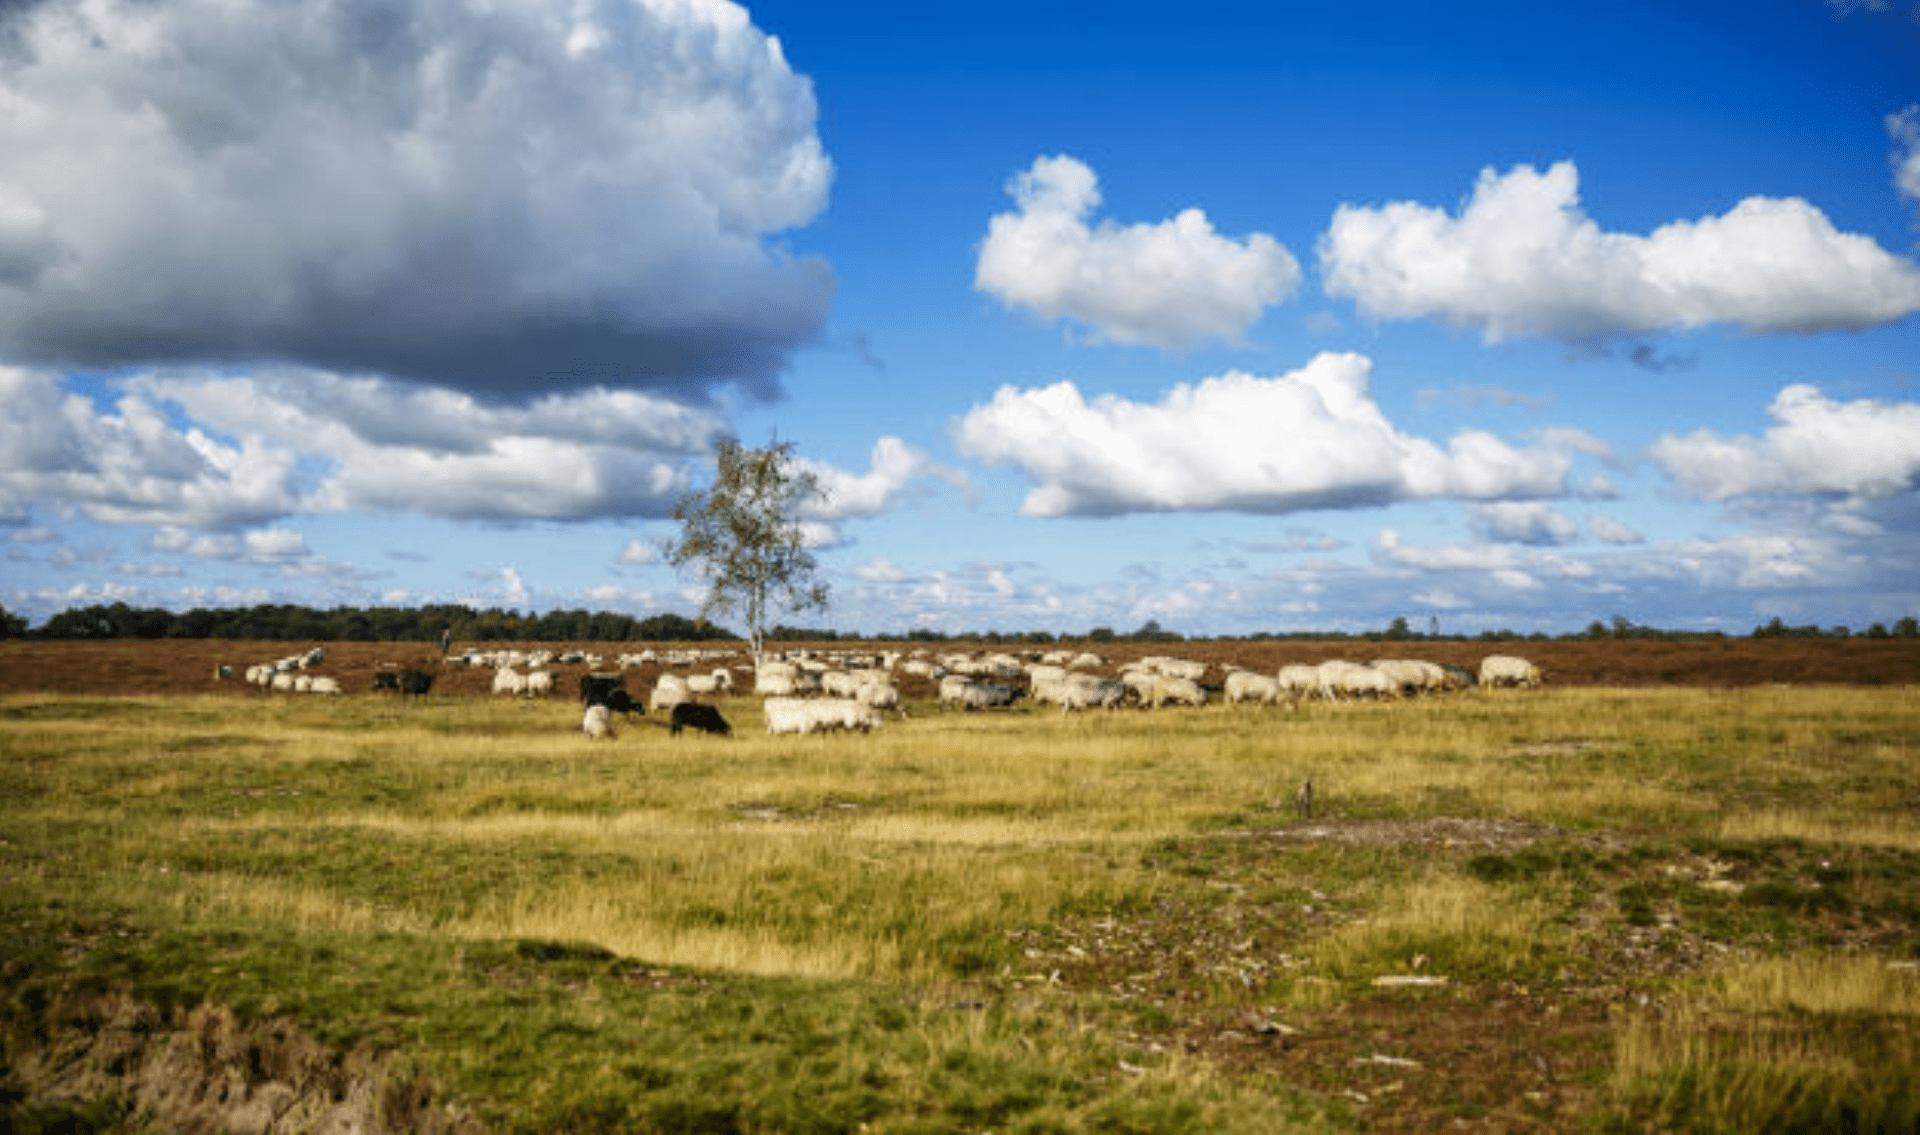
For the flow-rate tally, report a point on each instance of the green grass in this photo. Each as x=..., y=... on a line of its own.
x=973, y=921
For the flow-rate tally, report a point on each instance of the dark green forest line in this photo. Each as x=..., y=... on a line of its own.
x=293, y=623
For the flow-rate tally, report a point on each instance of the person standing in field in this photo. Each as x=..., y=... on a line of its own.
x=446, y=640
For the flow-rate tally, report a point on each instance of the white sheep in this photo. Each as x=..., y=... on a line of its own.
x=1172, y=667
x=322, y=684
x=539, y=682
x=839, y=684
x=957, y=689
x=507, y=680
x=817, y=715
x=597, y=722
x=881, y=695
x=1245, y=686
x=1081, y=691
x=1298, y=681
x=1350, y=679
x=1410, y=676
x=1506, y=670
x=1178, y=691
x=668, y=692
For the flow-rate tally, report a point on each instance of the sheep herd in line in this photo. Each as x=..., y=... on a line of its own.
x=812, y=691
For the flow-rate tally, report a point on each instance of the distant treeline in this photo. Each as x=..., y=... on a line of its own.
x=288, y=623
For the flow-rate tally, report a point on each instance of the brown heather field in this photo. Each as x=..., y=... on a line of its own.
x=146, y=668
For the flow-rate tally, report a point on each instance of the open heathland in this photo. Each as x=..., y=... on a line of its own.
x=186, y=666
x=1619, y=902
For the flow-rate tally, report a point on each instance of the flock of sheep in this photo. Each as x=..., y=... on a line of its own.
x=290, y=674
x=821, y=691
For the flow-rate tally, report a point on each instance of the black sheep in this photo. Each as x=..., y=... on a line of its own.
x=702, y=717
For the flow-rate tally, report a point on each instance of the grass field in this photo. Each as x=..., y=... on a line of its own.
x=1593, y=908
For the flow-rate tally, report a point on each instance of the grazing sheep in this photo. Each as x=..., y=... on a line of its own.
x=776, y=679
x=839, y=684
x=1179, y=691
x=415, y=683
x=956, y=689
x=594, y=688
x=1245, y=686
x=1298, y=681
x=817, y=715
x=668, y=692
x=539, y=682
x=705, y=718
x=1081, y=691
x=1172, y=667
x=1506, y=670
x=1155, y=689
x=596, y=722
x=507, y=680
x=622, y=703
x=324, y=685
x=1350, y=679
x=1410, y=677
x=881, y=694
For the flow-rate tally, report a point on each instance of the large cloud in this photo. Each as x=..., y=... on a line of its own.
x=209, y=451
x=505, y=198
x=212, y=453
x=1868, y=449
x=1171, y=285
x=1312, y=439
x=1522, y=260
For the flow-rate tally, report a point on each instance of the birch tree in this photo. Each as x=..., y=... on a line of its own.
x=742, y=536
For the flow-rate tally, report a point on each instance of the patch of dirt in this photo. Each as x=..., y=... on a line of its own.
x=201, y=1070
x=1415, y=1052
x=1434, y=832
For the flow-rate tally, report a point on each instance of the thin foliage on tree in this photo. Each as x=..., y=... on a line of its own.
x=743, y=537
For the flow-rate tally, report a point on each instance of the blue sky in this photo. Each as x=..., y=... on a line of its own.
x=1233, y=316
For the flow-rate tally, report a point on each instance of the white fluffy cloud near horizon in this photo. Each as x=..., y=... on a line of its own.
x=1311, y=439
x=503, y=199
x=1867, y=449
x=1522, y=260
x=1174, y=284
x=215, y=452
x=218, y=464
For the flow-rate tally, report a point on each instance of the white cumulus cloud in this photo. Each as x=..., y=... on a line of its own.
x=1610, y=531
x=1310, y=439
x=894, y=469
x=503, y=198
x=1905, y=129
x=1523, y=522
x=1521, y=260
x=1866, y=448
x=1174, y=284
